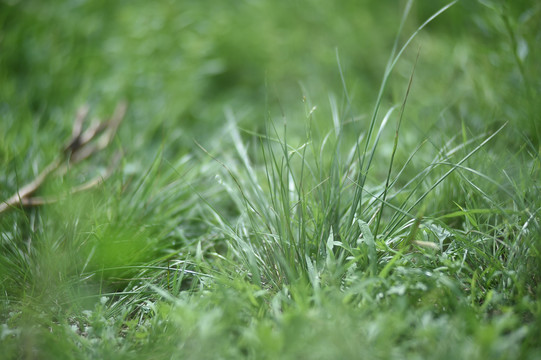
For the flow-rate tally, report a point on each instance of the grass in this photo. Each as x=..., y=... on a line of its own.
x=282, y=192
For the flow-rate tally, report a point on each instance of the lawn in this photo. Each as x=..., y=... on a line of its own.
x=270, y=180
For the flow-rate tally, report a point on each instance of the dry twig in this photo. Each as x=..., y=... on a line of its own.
x=77, y=149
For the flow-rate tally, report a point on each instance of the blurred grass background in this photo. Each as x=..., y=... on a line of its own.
x=179, y=62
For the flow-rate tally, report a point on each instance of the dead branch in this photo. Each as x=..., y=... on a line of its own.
x=79, y=147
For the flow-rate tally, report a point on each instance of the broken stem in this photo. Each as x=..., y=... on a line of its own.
x=78, y=148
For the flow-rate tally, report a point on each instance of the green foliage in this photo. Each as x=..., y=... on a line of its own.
x=298, y=179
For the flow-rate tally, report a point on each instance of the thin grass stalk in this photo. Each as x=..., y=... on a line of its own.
x=395, y=146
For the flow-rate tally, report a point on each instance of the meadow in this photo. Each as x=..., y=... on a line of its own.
x=270, y=180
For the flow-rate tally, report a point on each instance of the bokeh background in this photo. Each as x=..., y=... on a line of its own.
x=179, y=63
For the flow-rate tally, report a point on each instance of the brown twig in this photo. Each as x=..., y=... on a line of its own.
x=80, y=117
x=30, y=188
x=109, y=128
x=96, y=181
x=77, y=149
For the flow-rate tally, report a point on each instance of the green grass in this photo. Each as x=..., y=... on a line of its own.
x=298, y=179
